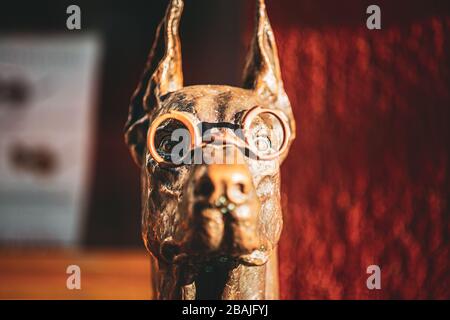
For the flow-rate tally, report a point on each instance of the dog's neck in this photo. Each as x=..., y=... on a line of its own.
x=239, y=283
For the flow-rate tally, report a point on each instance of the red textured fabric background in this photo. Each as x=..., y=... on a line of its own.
x=367, y=180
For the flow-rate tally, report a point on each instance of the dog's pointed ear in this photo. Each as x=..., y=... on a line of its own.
x=262, y=70
x=163, y=74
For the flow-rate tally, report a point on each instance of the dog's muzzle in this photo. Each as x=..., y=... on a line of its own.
x=221, y=207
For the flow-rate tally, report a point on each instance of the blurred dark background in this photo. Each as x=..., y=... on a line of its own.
x=212, y=48
x=367, y=179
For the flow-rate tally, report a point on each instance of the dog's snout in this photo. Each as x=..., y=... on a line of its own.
x=224, y=210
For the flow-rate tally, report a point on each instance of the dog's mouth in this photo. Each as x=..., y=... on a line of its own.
x=217, y=241
x=221, y=228
x=217, y=236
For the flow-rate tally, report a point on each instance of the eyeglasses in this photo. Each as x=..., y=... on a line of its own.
x=264, y=132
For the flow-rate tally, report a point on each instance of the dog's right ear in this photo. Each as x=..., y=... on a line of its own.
x=163, y=74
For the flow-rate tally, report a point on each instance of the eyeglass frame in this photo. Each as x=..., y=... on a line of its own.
x=193, y=126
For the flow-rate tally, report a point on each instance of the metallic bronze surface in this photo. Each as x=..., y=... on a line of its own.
x=212, y=227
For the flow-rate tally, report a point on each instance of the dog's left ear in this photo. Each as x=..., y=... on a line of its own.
x=262, y=71
x=163, y=74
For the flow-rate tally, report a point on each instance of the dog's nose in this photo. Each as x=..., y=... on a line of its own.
x=226, y=184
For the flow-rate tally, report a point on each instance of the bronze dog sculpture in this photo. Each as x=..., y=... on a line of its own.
x=212, y=227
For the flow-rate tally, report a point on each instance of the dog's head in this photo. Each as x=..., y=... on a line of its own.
x=210, y=155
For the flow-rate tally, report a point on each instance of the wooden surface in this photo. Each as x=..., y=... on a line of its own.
x=41, y=274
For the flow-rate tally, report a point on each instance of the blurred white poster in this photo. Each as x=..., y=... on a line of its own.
x=48, y=89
